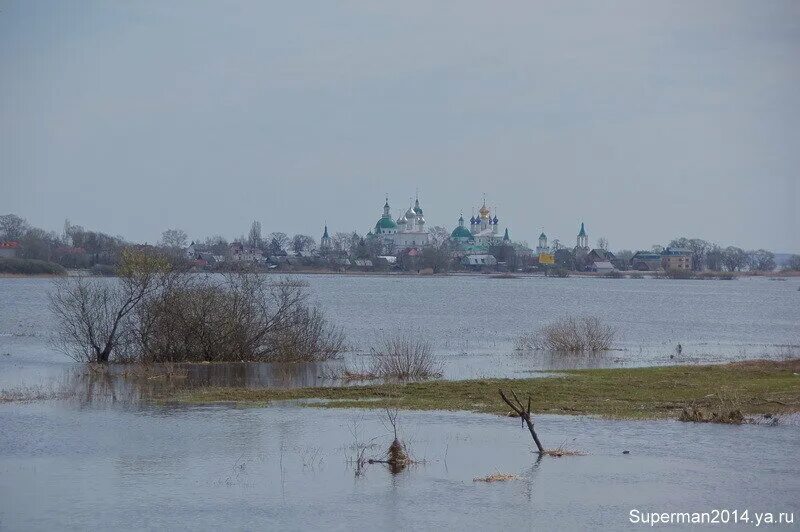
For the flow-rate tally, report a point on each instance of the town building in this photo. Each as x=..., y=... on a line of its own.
x=479, y=262
x=676, y=259
x=602, y=266
x=646, y=261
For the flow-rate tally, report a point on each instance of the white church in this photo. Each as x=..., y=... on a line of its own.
x=408, y=231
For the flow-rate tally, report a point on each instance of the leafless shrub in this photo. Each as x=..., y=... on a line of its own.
x=403, y=357
x=581, y=334
x=245, y=317
x=153, y=314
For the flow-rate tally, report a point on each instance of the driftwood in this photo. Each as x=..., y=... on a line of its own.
x=525, y=414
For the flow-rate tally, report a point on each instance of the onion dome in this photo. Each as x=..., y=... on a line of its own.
x=385, y=224
x=461, y=232
x=472, y=220
x=421, y=220
x=543, y=237
x=484, y=211
x=417, y=208
x=410, y=214
x=401, y=221
x=495, y=220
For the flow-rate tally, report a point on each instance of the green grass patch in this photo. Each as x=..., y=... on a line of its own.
x=757, y=387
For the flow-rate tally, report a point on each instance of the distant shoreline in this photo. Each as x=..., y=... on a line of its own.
x=491, y=275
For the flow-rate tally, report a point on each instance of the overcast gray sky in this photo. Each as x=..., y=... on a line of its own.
x=646, y=120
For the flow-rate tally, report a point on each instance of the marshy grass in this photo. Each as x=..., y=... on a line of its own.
x=569, y=334
x=403, y=357
x=761, y=387
x=496, y=477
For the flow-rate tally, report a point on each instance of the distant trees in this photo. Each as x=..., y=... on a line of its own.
x=254, y=239
x=715, y=258
x=302, y=243
x=340, y=242
x=734, y=258
x=12, y=227
x=762, y=260
x=277, y=243
x=793, y=263
x=622, y=259
x=217, y=245
x=602, y=243
x=565, y=259
x=439, y=235
x=174, y=239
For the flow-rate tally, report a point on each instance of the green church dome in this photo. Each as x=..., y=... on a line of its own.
x=461, y=232
x=385, y=223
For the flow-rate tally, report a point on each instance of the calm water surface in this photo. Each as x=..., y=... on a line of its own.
x=286, y=468
x=473, y=321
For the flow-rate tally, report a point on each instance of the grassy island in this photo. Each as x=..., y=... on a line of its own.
x=754, y=387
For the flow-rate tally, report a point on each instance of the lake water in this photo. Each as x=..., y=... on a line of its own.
x=103, y=461
x=473, y=321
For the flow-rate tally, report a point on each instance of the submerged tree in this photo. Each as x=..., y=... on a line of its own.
x=93, y=315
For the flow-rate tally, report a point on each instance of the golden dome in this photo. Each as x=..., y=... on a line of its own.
x=484, y=211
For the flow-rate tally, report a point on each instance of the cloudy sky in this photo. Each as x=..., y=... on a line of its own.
x=645, y=120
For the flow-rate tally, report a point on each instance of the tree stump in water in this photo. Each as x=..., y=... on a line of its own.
x=525, y=414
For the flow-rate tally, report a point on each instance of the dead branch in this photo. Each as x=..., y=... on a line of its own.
x=525, y=414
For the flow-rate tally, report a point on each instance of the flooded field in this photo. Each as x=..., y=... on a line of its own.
x=473, y=321
x=103, y=459
x=286, y=467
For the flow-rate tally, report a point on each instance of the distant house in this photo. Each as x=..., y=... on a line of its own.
x=602, y=267
x=9, y=249
x=362, y=263
x=479, y=262
x=676, y=259
x=242, y=253
x=646, y=261
x=601, y=255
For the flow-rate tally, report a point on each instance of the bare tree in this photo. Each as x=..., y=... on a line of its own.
x=341, y=242
x=301, y=243
x=254, y=239
x=92, y=315
x=12, y=227
x=762, y=260
x=439, y=235
x=715, y=257
x=734, y=258
x=602, y=243
x=277, y=242
x=174, y=239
